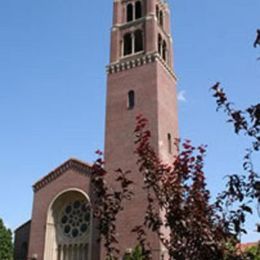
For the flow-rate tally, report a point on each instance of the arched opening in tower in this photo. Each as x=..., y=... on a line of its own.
x=161, y=18
x=159, y=44
x=127, y=44
x=157, y=12
x=164, y=51
x=138, y=10
x=130, y=13
x=139, y=46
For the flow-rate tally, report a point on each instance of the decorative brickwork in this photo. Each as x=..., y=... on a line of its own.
x=141, y=79
x=138, y=61
x=80, y=166
x=150, y=77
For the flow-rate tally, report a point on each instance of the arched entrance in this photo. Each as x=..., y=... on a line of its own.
x=68, y=227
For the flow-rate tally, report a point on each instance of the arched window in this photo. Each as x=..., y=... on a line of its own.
x=138, y=41
x=159, y=44
x=138, y=10
x=169, y=140
x=164, y=51
x=161, y=18
x=130, y=13
x=127, y=44
x=68, y=227
x=157, y=11
x=131, y=99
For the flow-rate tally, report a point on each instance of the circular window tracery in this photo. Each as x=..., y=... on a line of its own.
x=75, y=219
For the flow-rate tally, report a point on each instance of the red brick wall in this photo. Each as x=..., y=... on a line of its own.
x=71, y=179
x=156, y=100
x=21, y=241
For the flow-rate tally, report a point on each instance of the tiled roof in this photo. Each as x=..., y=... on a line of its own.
x=245, y=246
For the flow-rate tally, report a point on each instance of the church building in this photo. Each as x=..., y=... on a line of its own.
x=140, y=80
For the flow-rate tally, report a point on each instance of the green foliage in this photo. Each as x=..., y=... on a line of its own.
x=6, y=245
x=137, y=254
x=254, y=252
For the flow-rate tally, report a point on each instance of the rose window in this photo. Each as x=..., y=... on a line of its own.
x=75, y=219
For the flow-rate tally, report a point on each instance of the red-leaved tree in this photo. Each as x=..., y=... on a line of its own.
x=196, y=228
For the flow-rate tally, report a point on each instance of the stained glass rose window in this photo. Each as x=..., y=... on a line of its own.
x=75, y=219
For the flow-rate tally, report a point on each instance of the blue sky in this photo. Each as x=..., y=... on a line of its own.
x=53, y=83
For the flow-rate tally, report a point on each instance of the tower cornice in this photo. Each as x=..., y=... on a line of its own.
x=137, y=61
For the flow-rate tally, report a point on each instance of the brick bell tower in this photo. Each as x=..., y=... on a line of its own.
x=140, y=79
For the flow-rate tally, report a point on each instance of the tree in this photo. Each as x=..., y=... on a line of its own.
x=108, y=204
x=197, y=228
x=254, y=252
x=180, y=191
x=6, y=246
x=257, y=40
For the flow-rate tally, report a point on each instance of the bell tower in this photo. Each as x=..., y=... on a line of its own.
x=140, y=80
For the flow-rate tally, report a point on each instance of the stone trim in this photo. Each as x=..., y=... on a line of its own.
x=126, y=25
x=137, y=62
x=70, y=164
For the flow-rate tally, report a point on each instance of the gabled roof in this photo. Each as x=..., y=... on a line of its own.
x=23, y=226
x=69, y=164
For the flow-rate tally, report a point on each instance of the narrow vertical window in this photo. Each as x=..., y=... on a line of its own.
x=169, y=140
x=164, y=51
x=130, y=13
x=159, y=44
x=131, y=99
x=161, y=18
x=157, y=12
x=138, y=10
x=121, y=47
x=127, y=44
x=138, y=41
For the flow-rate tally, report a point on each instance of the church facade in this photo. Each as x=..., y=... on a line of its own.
x=140, y=80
